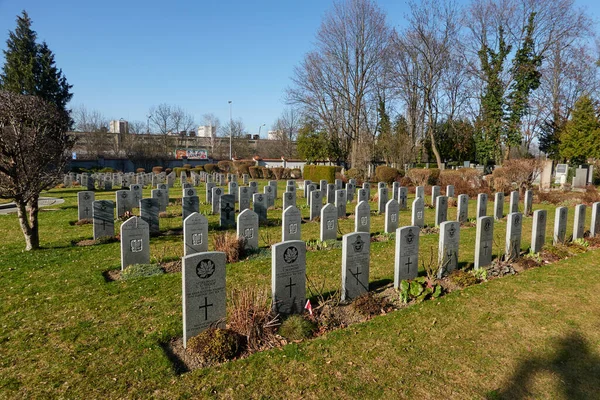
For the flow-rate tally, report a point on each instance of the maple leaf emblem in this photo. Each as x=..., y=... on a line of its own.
x=205, y=269
x=290, y=254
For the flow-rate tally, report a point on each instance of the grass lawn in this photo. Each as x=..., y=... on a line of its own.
x=65, y=332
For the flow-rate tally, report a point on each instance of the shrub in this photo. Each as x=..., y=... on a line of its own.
x=139, y=170
x=287, y=173
x=520, y=171
x=157, y=169
x=462, y=278
x=315, y=173
x=168, y=171
x=225, y=166
x=242, y=167
x=278, y=172
x=419, y=176
x=187, y=166
x=141, y=270
x=419, y=289
x=355, y=173
x=251, y=316
x=107, y=169
x=198, y=168
x=210, y=168
x=386, y=174
x=295, y=327
x=255, y=172
x=266, y=172
x=215, y=345
x=467, y=181
x=434, y=177
x=231, y=245
x=405, y=181
x=296, y=173
x=591, y=195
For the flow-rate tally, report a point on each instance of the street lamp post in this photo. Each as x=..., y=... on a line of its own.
x=259, y=130
x=230, y=131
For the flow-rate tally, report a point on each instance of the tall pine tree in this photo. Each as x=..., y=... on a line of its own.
x=30, y=68
x=581, y=137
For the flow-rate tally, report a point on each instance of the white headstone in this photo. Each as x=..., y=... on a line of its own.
x=288, y=276
x=406, y=265
x=195, y=234
x=355, y=264
x=135, y=242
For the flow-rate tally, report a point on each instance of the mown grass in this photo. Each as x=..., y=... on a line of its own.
x=66, y=332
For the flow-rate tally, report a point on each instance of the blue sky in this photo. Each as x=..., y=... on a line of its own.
x=124, y=56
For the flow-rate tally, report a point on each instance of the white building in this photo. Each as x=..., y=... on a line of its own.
x=273, y=135
x=207, y=131
x=120, y=126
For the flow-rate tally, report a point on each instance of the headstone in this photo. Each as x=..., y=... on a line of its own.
x=85, y=202
x=186, y=186
x=330, y=193
x=403, y=197
x=546, y=175
x=209, y=187
x=462, y=209
x=499, y=205
x=329, y=222
x=595, y=225
x=216, y=194
x=310, y=188
x=204, y=296
x=162, y=198
x=528, y=203
x=367, y=188
x=560, y=225
x=362, y=196
x=189, y=192
x=338, y=184
x=418, y=212
x=392, y=214
x=441, y=210
x=514, y=222
x=350, y=189
x=395, y=186
x=406, y=260
x=227, y=211
x=448, y=247
x=420, y=192
x=580, y=178
x=244, y=197
x=254, y=187
x=137, y=194
x=247, y=227
x=149, y=213
x=382, y=193
x=482, y=201
x=195, y=234
x=484, y=240
x=315, y=204
x=362, y=217
x=579, y=223
x=91, y=184
x=290, y=188
x=135, y=242
x=356, y=249
x=259, y=206
x=245, y=179
x=289, y=199
x=538, y=230
x=435, y=192
x=450, y=190
x=514, y=202
x=189, y=205
x=269, y=194
x=124, y=202
x=291, y=227
x=288, y=277
x=104, y=218
x=323, y=187
x=340, y=203
x=233, y=190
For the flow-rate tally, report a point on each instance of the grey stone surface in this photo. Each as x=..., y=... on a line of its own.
x=418, y=212
x=227, y=211
x=244, y=196
x=538, y=230
x=195, y=234
x=254, y=187
x=311, y=188
x=270, y=195
x=356, y=248
x=441, y=210
x=362, y=196
x=382, y=193
x=484, y=240
x=259, y=206
x=450, y=190
x=528, y=203
x=204, y=293
x=338, y=184
x=448, y=247
x=499, y=205
x=124, y=202
x=435, y=192
x=395, y=186
x=163, y=200
x=323, y=188
x=420, y=192
x=560, y=225
x=462, y=208
x=135, y=242
x=291, y=226
x=290, y=188
x=482, y=201
x=149, y=210
x=247, y=227
x=85, y=202
x=350, y=190
x=245, y=179
x=209, y=188
x=306, y=183
x=288, y=277
x=289, y=199
x=362, y=217
x=189, y=205
x=513, y=206
x=331, y=193
x=406, y=260
x=579, y=222
x=392, y=215
x=580, y=178
x=329, y=222
x=316, y=202
x=137, y=194
x=232, y=188
x=514, y=224
x=403, y=198
x=216, y=194
x=104, y=218
x=595, y=224
x=340, y=202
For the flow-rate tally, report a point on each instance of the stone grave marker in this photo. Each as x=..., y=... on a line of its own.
x=560, y=225
x=149, y=213
x=528, y=203
x=382, y=200
x=362, y=196
x=291, y=227
x=356, y=249
x=482, y=200
x=420, y=192
x=329, y=222
x=135, y=242
x=306, y=189
x=514, y=224
x=441, y=210
x=123, y=201
x=233, y=190
x=227, y=211
x=186, y=186
x=290, y=188
x=245, y=179
x=450, y=190
x=538, y=230
x=435, y=192
x=418, y=212
x=104, y=218
x=448, y=247
x=595, y=225
x=331, y=193
x=247, y=227
x=367, y=187
x=350, y=189
x=362, y=217
x=254, y=187
x=288, y=277
x=462, y=209
x=91, y=184
x=311, y=188
x=209, y=187
x=403, y=198
x=406, y=260
x=189, y=205
x=259, y=206
x=216, y=194
x=579, y=223
x=204, y=296
x=323, y=188
x=244, y=197
x=85, y=202
x=289, y=199
x=484, y=240
x=499, y=205
x=395, y=186
x=136, y=194
x=268, y=191
x=315, y=204
x=195, y=234
x=392, y=214
x=514, y=202
x=189, y=192
x=162, y=198
x=338, y=184
x=340, y=202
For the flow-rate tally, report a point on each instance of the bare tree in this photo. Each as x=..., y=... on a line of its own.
x=34, y=148
x=89, y=120
x=286, y=131
x=168, y=119
x=239, y=140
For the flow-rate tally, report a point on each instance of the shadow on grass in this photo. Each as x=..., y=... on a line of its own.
x=570, y=360
x=177, y=363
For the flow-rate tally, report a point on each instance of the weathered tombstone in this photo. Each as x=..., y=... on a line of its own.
x=135, y=242
x=482, y=200
x=311, y=188
x=104, y=218
x=514, y=202
x=259, y=206
x=329, y=222
x=484, y=239
x=435, y=192
x=448, y=247
x=579, y=223
x=362, y=217
x=499, y=205
x=356, y=248
x=315, y=204
x=195, y=234
x=245, y=179
x=462, y=209
x=307, y=183
x=420, y=192
x=323, y=187
x=350, y=192
x=331, y=193
x=227, y=211
x=247, y=227
x=288, y=277
x=340, y=202
x=204, y=296
x=290, y=188
x=254, y=187
x=560, y=225
x=162, y=198
x=137, y=194
x=406, y=260
x=528, y=203
x=149, y=213
x=244, y=197
x=362, y=196
x=403, y=197
x=209, y=187
x=441, y=210
x=188, y=192
x=85, y=202
x=233, y=190
x=91, y=184
x=108, y=185
x=289, y=199
x=538, y=230
x=367, y=188
x=216, y=194
x=595, y=225
x=338, y=184
x=395, y=186
x=382, y=193
x=450, y=190
x=268, y=191
x=392, y=213
x=580, y=178
x=418, y=212
x=514, y=222
x=123, y=201
x=189, y=205
x=291, y=224
x=186, y=186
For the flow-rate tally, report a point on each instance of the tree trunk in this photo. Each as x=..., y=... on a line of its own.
x=28, y=219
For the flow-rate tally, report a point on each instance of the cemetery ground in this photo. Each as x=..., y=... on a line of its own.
x=67, y=331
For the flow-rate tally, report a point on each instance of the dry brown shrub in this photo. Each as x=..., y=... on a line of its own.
x=521, y=171
x=231, y=245
x=278, y=172
x=419, y=176
x=467, y=181
x=590, y=195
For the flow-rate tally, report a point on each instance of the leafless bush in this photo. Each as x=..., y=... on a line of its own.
x=231, y=245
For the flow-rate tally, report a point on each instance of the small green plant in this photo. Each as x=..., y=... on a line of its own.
x=462, y=278
x=323, y=245
x=480, y=274
x=296, y=327
x=141, y=271
x=581, y=242
x=419, y=289
x=534, y=256
x=215, y=345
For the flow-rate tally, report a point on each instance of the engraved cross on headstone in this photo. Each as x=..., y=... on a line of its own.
x=355, y=274
x=290, y=286
x=205, y=306
x=227, y=210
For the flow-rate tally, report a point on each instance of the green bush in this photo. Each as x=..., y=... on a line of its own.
x=295, y=327
x=141, y=270
x=179, y=170
x=242, y=167
x=386, y=174
x=315, y=173
x=434, y=177
x=187, y=166
x=198, y=168
x=419, y=289
x=215, y=345
x=355, y=173
x=255, y=172
x=210, y=168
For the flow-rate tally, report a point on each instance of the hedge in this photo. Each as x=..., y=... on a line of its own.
x=386, y=174
x=315, y=173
